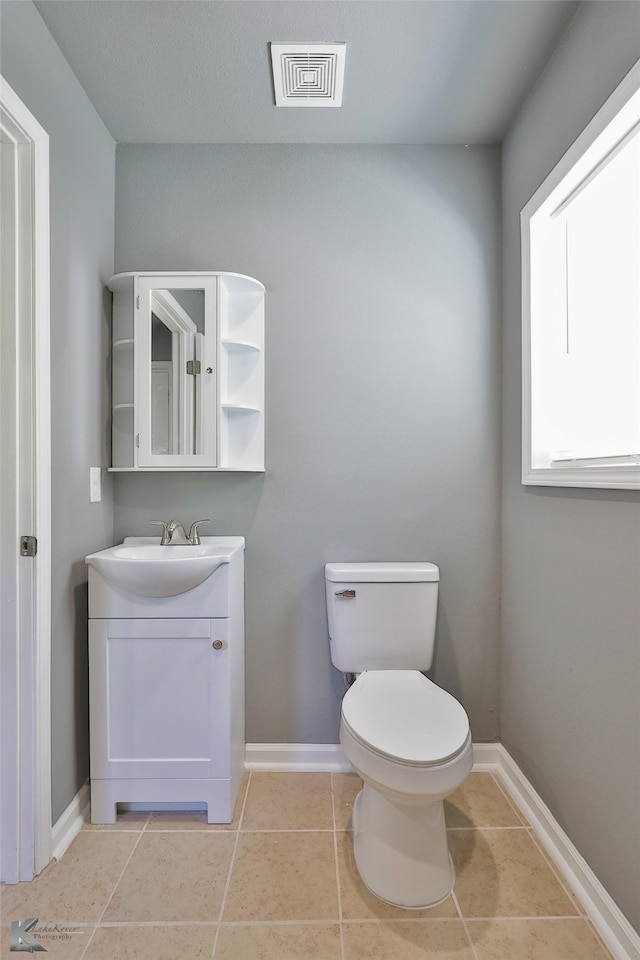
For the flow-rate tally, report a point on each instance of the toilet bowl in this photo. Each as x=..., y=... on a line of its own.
x=410, y=742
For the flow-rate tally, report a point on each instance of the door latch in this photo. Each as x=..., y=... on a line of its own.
x=346, y=594
x=28, y=546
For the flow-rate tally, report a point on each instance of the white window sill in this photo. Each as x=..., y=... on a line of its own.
x=604, y=477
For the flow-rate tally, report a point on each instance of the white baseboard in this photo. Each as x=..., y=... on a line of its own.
x=615, y=930
x=296, y=757
x=69, y=823
x=487, y=756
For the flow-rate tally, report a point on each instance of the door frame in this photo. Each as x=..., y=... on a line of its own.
x=25, y=652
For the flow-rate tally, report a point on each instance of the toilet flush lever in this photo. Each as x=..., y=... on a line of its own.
x=346, y=594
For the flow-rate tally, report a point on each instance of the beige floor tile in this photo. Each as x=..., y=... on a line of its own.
x=346, y=787
x=174, y=876
x=535, y=940
x=501, y=873
x=152, y=943
x=279, y=942
x=480, y=802
x=283, y=876
x=409, y=940
x=62, y=941
x=78, y=887
x=289, y=801
x=358, y=903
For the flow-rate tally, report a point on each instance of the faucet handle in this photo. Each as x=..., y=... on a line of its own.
x=194, y=537
x=165, y=531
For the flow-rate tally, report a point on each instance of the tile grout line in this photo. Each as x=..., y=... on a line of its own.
x=103, y=833
x=458, y=829
x=543, y=918
x=115, y=887
x=113, y=924
x=464, y=924
x=335, y=856
x=223, y=901
x=289, y=830
x=89, y=942
x=372, y=921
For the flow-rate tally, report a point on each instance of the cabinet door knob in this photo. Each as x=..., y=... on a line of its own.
x=217, y=644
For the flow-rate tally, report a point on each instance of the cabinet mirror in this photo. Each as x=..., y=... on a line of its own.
x=177, y=332
x=176, y=371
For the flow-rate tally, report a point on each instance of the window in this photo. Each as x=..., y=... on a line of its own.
x=581, y=307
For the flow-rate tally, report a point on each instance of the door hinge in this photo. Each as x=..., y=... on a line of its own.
x=28, y=546
x=138, y=302
x=137, y=439
x=193, y=367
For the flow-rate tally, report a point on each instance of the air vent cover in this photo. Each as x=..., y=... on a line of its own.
x=308, y=74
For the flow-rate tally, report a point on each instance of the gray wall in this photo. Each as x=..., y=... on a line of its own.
x=381, y=266
x=82, y=166
x=570, y=709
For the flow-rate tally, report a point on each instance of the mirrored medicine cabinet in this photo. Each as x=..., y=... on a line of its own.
x=187, y=372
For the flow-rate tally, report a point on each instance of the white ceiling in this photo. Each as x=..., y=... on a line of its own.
x=198, y=71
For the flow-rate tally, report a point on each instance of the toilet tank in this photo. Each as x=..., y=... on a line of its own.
x=382, y=616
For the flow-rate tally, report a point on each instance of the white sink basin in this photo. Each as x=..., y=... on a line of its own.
x=142, y=567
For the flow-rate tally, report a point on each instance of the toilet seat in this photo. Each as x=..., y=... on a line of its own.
x=403, y=716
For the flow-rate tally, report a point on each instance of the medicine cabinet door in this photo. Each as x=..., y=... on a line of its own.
x=176, y=369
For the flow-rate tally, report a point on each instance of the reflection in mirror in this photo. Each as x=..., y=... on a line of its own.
x=177, y=335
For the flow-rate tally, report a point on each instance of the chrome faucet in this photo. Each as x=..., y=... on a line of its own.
x=173, y=533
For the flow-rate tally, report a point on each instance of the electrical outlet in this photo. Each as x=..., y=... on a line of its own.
x=95, y=484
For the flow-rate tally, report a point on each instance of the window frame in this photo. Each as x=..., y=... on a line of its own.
x=573, y=473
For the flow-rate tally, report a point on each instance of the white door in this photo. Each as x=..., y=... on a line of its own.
x=25, y=580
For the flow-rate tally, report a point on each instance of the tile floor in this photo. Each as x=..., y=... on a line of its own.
x=280, y=883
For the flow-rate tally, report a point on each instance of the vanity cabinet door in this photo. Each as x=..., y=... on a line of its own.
x=159, y=695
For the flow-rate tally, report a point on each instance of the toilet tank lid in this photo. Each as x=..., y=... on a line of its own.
x=382, y=572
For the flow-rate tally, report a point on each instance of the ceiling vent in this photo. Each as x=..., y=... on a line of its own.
x=308, y=74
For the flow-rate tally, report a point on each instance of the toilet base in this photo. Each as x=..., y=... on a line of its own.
x=401, y=851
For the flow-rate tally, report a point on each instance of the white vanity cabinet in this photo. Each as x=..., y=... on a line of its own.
x=187, y=372
x=167, y=695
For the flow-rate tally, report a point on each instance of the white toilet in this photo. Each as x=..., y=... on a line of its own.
x=408, y=739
